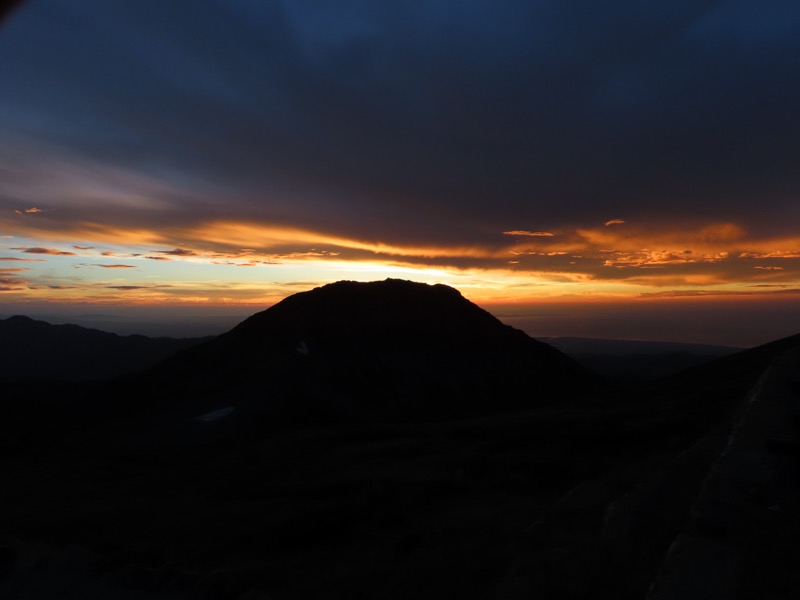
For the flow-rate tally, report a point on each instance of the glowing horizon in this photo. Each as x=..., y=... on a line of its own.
x=207, y=262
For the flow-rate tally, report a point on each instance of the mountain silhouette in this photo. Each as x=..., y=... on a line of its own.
x=38, y=351
x=386, y=349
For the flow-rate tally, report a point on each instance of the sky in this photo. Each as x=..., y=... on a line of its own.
x=606, y=169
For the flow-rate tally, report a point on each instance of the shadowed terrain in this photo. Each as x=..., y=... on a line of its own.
x=38, y=351
x=630, y=362
x=358, y=441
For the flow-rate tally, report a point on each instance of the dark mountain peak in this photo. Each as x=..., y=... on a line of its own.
x=388, y=285
x=393, y=296
x=23, y=323
x=392, y=308
x=381, y=348
x=20, y=319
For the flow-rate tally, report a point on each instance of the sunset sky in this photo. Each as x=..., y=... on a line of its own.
x=607, y=169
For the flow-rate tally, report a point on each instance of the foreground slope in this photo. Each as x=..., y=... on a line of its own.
x=374, y=350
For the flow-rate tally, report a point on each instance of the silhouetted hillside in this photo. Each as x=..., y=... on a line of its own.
x=37, y=351
x=382, y=349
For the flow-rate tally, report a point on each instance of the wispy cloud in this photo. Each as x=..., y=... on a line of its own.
x=10, y=280
x=50, y=251
x=114, y=266
x=772, y=254
x=524, y=233
x=176, y=252
x=135, y=287
x=614, y=222
x=777, y=290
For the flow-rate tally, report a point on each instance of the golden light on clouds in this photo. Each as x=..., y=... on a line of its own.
x=264, y=237
x=202, y=262
x=524, y=233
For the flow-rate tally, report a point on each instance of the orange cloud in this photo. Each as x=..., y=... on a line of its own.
x=613, y=222
x=135, y=287
x=707, y=238
x=115, y=266
x=523, y=233
x=603, y=259
x=14, y=258
x=177, y=252
x=9, y=280
x=646, y=258
x=773, y=254
x=242, y=235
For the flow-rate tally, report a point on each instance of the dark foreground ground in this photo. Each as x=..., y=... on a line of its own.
x=684, y=489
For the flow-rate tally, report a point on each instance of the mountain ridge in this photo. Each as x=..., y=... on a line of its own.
x=35, y=350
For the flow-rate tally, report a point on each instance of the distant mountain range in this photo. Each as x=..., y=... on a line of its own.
x=632, y=361
x=37, y=351
x=34, y=350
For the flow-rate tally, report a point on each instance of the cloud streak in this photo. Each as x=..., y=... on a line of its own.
x=524, y=233
x=50, y=251
x=176, y=252
x=114, y=266
x=10, y=280
x=135, y=287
